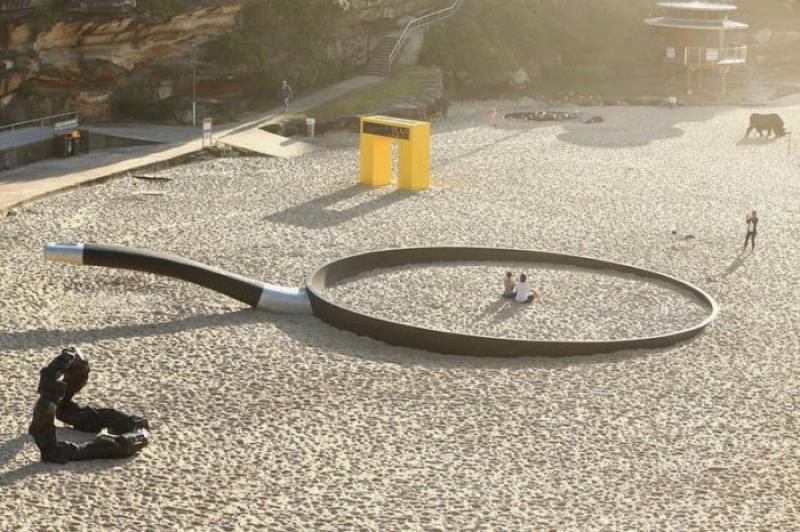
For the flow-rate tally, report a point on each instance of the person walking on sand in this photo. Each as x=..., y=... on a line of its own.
x=509, y=286
x=752, y=230
x=524, y=294
x=286, y=95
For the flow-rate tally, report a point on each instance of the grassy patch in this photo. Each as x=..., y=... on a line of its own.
x=406, y=82
x=42, y=20
x=161, y=9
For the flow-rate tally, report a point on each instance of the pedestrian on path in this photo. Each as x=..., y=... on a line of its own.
x=752, y=230
x=286, y=95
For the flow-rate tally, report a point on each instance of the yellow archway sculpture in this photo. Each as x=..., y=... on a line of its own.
x=414, y=139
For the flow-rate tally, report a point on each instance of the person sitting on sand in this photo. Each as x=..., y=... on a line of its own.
x=524, y=293
x=509, y=286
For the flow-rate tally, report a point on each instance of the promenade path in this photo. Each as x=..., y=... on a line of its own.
x=41, y=179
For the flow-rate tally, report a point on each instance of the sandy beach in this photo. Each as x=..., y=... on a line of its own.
x=269, y=422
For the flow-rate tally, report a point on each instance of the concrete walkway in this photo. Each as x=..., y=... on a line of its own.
x=41, y=179
x=265, y=143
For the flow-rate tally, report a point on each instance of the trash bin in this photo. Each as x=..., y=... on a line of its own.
x=85, y=138
x=310, y=123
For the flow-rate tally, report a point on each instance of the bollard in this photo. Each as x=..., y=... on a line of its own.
x=310, y=123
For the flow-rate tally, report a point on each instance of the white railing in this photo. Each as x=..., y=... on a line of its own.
x=420, y=22
x=38, y=122
x=698, y=55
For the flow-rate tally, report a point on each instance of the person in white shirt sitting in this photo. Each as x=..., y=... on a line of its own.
x=524, y=293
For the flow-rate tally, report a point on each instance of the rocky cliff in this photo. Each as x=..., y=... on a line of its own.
x=103, y=58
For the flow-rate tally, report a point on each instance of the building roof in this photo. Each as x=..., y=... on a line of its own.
x=684, y=23
x=698, y=6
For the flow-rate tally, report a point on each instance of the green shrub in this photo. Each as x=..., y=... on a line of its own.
x=569, y=75
x=237, y=49
x=43, y=19
x=162, y=9
x=490, y=39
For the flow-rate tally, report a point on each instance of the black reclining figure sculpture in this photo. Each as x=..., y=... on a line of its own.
x=127, y=434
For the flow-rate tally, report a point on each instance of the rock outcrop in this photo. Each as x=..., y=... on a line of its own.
x=100, y=51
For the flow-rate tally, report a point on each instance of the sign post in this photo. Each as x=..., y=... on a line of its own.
x=208, y=131
x=66, y=126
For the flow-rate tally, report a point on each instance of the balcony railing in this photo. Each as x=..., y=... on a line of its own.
x=700, y=55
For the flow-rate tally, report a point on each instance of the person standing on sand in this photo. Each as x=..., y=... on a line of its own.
x=286, y=95
x=752, y=230
x=492, y=116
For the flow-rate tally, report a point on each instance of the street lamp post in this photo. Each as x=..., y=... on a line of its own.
x=194, y=86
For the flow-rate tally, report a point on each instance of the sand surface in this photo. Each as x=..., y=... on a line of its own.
x=572, y=303
x=268, y=422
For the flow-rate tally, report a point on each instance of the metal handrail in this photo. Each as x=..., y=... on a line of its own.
x=424, y=20
x=39, y=121
x=698, y=55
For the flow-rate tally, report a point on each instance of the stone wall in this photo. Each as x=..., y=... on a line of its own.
x=29, y=153
x=98, y=141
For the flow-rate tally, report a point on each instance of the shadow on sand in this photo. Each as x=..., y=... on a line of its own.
x=504, y=309
x=312, y=332
x=756, y=141
x=737, y=263
x=39, y=338
x=656, y=123
x=319, y=212
x=316, y=333
x=518, y=132
x=10, y=448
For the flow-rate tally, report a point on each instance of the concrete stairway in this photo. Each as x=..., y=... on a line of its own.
x=388, y=49
x=380, y=63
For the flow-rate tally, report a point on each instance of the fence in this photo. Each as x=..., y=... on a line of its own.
x=38, y=122
x=696, y=55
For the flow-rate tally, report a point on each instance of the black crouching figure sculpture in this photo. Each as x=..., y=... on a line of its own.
x=64, y=377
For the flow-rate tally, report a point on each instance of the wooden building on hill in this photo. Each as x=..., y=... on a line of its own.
x=700, y=38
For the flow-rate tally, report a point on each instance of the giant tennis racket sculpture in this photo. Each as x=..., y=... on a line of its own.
x=312, y=298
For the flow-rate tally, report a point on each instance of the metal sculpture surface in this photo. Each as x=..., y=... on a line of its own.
x=59, y=382
x=313, y=299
